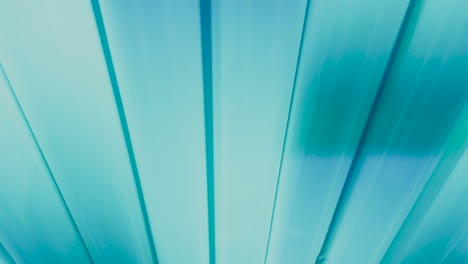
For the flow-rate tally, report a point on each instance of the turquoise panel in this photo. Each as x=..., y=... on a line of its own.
x=255, y=51
x=442, y=234
x=156, y=50
x=436, y=229
x=234, y=131
x=55, y=63
x=338, y=77
x=35, y=224
x=419, y=103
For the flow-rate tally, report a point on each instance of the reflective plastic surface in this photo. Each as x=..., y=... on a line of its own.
x=156, y=51
x=36, y=226
x=255, y=51
x=54, y=61
x=250, y=131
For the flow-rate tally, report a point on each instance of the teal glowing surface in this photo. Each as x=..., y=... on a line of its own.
x=327, y=117
x=253, y=75
x=160, y=79
x=54, y=61
x=249, y=131
x=29, y=199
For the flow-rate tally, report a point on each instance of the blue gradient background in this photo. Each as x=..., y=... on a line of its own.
x=222, y=131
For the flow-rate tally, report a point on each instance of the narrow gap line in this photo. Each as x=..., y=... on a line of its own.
x=207, y=64
x=350, y=179
x=123, y=120
x=298, y=62
x=44, y=160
